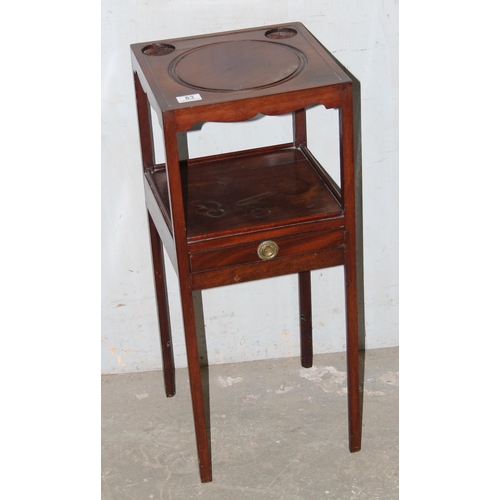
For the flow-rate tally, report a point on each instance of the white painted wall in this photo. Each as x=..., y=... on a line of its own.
x=260, y=319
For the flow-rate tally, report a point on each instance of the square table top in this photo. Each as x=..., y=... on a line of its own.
x=230, y=66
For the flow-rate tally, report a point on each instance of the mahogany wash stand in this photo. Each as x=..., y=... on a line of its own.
x=251, y=214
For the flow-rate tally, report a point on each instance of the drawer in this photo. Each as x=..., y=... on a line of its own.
x=266, y=250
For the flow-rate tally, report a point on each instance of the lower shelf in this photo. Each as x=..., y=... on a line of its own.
x=251, y=191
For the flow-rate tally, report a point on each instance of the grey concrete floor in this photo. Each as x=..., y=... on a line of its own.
x=278, y=431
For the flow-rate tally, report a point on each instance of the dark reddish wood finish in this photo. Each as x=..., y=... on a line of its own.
x=229, y=196
x=305, y=304
x=213, y=213
x=163, y=310
x=289, y=246
x=306, y=347
x=349, y=194
x=147, y=150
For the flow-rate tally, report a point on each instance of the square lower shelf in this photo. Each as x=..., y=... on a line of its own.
x=251, y=191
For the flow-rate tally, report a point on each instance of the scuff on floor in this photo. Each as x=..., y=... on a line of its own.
x=328, y=378
x=228, y=381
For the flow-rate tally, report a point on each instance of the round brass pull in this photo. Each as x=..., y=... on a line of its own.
x=267, y=250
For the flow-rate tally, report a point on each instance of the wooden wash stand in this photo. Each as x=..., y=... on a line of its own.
x=251, y=214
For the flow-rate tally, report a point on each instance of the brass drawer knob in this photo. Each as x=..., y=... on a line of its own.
x=267, y=250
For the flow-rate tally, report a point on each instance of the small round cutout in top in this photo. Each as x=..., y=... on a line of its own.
x=158, y=49
x=279, y=33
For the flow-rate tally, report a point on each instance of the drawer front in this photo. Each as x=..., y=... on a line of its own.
x=266, y=250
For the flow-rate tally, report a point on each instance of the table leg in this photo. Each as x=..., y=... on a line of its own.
x=348, y=174
x=353, y=387
x=162, y=309
x=195, y=380
x=306, y=349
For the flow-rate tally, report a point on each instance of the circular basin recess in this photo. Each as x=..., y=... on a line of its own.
x=158, y=49
x=277, y=33
x=237, y=65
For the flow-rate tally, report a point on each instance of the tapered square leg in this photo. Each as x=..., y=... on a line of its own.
x=162, y=309
x=348, y=177
x=306, y=350
x=353, y=386
x=200, y=411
